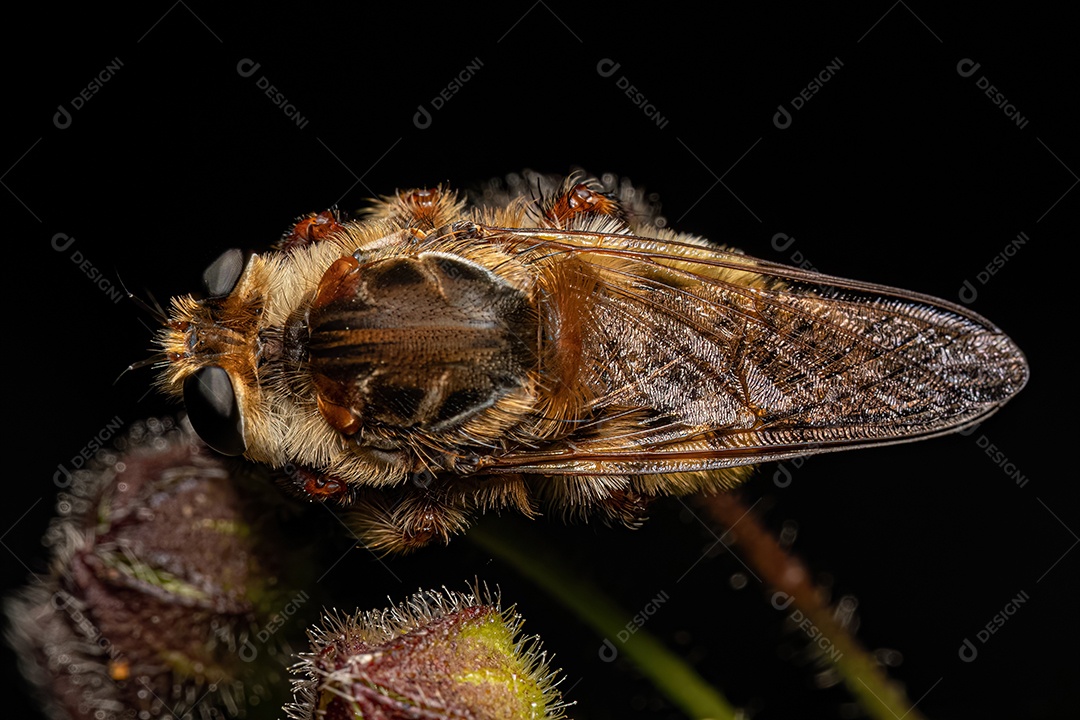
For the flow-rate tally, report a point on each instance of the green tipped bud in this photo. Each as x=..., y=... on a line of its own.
x=167, y=578
x=436, y=655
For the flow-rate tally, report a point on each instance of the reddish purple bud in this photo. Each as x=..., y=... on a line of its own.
x=168, y=593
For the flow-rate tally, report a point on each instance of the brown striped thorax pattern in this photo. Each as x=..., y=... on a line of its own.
x=548, y=343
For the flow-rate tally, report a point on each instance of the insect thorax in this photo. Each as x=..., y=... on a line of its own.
x=415, y=343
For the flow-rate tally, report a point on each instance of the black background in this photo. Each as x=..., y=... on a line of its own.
x=899, y=171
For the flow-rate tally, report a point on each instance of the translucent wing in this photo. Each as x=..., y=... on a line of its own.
x=699, y=359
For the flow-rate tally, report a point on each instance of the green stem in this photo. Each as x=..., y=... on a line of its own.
x=667, y=671
x=879, y=697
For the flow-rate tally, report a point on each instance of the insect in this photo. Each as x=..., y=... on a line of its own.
x=440, y=357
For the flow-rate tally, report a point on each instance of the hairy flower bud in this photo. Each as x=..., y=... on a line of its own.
x=436, y=655
x=166, y=572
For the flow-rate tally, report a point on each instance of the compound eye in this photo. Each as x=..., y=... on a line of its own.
x=220, y=278
x=213, y=410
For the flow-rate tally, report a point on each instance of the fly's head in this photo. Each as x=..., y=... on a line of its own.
x=214, y=348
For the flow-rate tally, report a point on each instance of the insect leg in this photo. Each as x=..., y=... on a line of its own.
x=408, y=518
x=576, y=200
x=311, y=484
x=310, y=229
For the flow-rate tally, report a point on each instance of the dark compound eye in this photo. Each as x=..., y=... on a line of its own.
x=220, y=278
x=213, y=410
